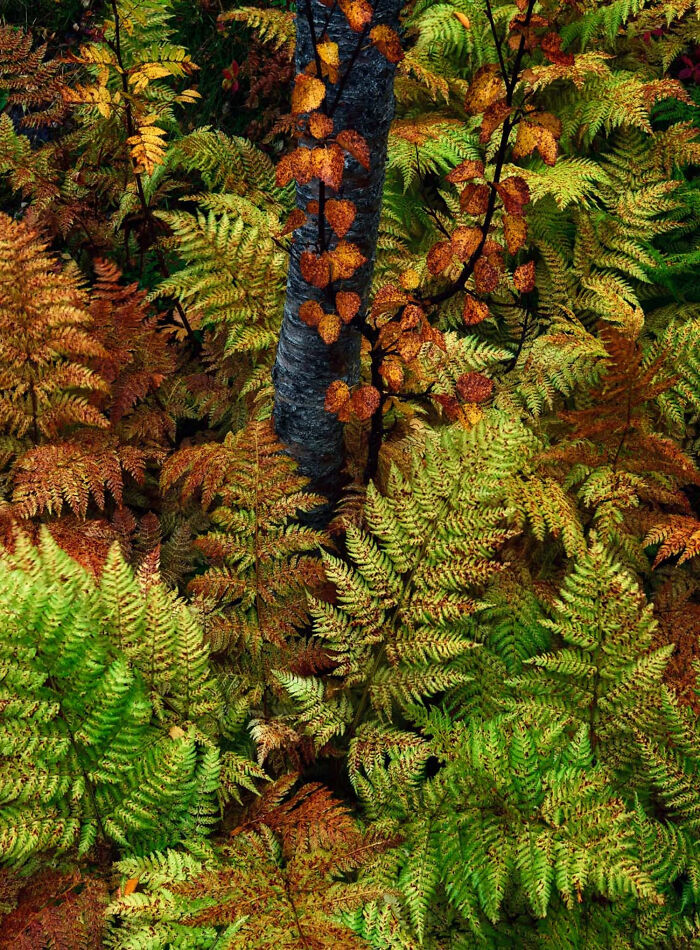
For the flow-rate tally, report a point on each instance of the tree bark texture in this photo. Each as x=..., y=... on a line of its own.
x=361, y=100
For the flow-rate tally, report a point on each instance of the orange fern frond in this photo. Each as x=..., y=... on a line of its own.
x=678, y=535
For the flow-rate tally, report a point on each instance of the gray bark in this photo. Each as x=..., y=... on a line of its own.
x=305, y=366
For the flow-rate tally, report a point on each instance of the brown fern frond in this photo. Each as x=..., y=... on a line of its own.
x=678, y=535
x=31, y=83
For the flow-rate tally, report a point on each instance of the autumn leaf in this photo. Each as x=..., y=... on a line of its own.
x=486, y=87
x=338, y=400
x=449, y=404
x=551, y=47
x=474, y=199
x=330, y=59
x=295, y=220
x=524, y=277
x=474, y=311
x=471, y=168
x=296, y=164
x=320, y=125
x=392, y=372
x=347, y=304
x=515, y=232
x=486, y=276
x=329, y=327
x=365, y=401
x=514, y=193
x=538, y=131
x=409, y=279
x=412, y=317
x=465, y=242
x=345, y=259
x=464, y=20
x=340, y=215
x=130, y=886
x=387, y=299
x=311, y=313
x=328, y=164
x=315, y=269
x=474, y=387
x=439, y=257
x=358, y=13
x=409, y=345
x=387, y=42
x=308, y=93
x=494, y=116
x=355, y=145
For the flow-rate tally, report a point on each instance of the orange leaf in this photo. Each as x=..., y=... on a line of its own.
x=311, y=313
x=514, y=193
x=449, y=405
x=486, y=276
x=355, y=145
x=515, y=232
x=328, y=164
x=475, y=199
x=358, y=13
x=469, y=169
x=347, y=303
x=312, y=207
x=474, y=311
x=338, y=399
x=295, y=220
x=345, y=260
x=464, y=20
x=524, y=277
x=130, y=886
x=534, y=134
x=284, y=171
x=365, y=401
x=465, y=242
x=486, y=87
x=392, y=372
x=308, y=94
x=551, y=47
x=409, y=345
x=330, y=59
x=439, y=257
x=494, y=116
x=409, y=279
x=340, y=215
x=412, y=317
x=388, y=298
x=474, y=387
x=387, y=42
x=315, y=269
x=329, y=327
x=320, y=125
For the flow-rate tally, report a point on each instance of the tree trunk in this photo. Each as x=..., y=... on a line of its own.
x=361, y=100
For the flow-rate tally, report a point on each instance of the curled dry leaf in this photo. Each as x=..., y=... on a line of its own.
x=365, y=401
x=355, y=145
x=308, y=93
x=464, y=20
x=524, y=277
x=340, y=215
x=347, y=304
x=474, y=387
x=387, y=42
x=474, y=311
